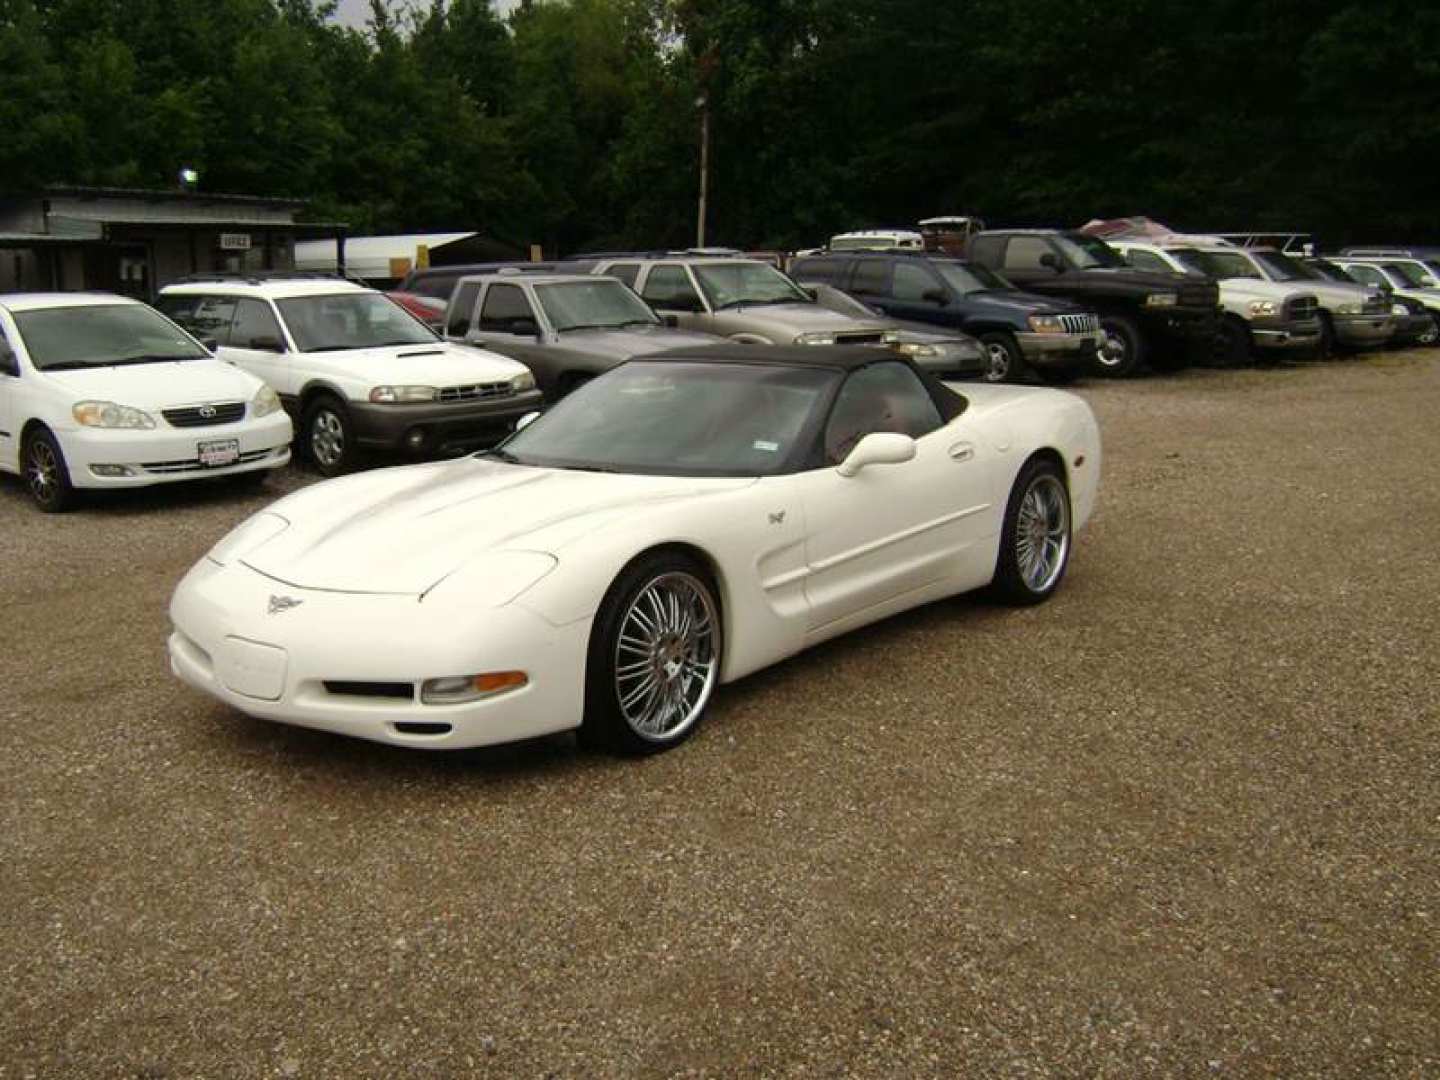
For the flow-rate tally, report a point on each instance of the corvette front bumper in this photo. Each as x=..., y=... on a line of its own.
x=353, y=664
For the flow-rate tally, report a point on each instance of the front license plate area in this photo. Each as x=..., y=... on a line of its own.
x=216, y=452
x=251, y=668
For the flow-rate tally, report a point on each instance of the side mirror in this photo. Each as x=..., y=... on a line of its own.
x=525, y=328
x=267, y=344
x=935, y=296
x=526, y=420
x=879, y=448
x=9, y=362
x=1052, y=261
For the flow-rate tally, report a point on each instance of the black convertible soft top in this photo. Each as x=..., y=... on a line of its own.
x=842, y=358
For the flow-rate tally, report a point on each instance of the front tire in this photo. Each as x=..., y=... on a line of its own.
x=1003, y=362
x=1035, y=539
x=1234, y=349
x=47, y=477
x=1123, y=351
x=654, y=657
x=328, y=437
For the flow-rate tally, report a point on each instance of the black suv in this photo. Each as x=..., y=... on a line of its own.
x=1148, y=318
x=1056, y=339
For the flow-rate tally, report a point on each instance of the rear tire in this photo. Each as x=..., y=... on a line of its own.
x=47, y=477
x=654, y=657
x=1325, y=347
x=1123, y=351
x=1035, y=539
x=1003, y=361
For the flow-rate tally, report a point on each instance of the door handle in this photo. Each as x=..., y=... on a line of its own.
x=962, y=451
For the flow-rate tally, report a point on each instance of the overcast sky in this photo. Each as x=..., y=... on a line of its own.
x=355, y=12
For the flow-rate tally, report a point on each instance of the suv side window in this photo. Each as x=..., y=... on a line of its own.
x=871, y=278
x=254, y=321
x=912, y=282
x=462, y=307
x=1148, y=260
x=203, y=316
x=626, y=272
x=1023, y=252
x=1367, y=275
x=669, y=286
x=881, y=397
x=987, y=249
x=504, y=307
x=817, y=271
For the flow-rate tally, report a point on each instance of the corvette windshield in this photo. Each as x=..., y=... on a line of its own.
x=357, y=320
x=730, y=284
x=601, y=303
x=102, y=335
x=675, y=418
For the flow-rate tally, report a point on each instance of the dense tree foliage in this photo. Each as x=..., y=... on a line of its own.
x=574, y=123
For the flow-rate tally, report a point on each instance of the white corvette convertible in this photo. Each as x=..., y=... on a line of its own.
x=678, y=523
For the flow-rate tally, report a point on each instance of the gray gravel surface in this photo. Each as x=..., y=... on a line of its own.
x=1181, y=821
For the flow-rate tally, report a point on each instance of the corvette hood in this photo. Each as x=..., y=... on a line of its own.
x=403, y=530
x=160, y=386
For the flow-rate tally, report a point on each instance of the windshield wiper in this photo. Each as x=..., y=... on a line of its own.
x=750, y=301
x=592, y=326
x=152, y=358
x=70, y=365
x=500, y=454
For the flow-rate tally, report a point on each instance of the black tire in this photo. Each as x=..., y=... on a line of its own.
x=1123, y=352
x=1019, y=579
x=47, y=477
x=1325, y=347
x=1430, y=336
x=1234, y=348
x=327, y=436
x=618, y=710
x=1003, y=359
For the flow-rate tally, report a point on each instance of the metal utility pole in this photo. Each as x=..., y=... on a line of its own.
x=704, y=102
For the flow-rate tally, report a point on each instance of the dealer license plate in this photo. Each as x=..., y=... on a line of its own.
x=218, y=452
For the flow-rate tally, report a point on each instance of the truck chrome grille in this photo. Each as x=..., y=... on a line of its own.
x=476, y=391
x=225, y=412
x=1080, y=324
x=1301, y=307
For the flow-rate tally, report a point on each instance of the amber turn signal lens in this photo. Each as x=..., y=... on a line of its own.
x=458, y=689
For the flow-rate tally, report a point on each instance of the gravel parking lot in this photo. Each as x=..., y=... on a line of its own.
x=1182, y=821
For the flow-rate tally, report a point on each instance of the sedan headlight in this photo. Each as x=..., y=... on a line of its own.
x=522, y=382
x=265, y=402
x=1262, y=307
x=107, y=414
x=1349, y=309
x=1162, y=299
x=916, y=348
x=815, y=337
x=1046, y=324
x=390, y=395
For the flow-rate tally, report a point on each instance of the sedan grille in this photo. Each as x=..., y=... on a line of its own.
x=1080, y=324
x=867, y=337
x=227, y=412
x=1302, y=307
x=477, y=391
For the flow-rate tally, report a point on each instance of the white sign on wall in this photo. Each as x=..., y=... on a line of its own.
x=234, y=241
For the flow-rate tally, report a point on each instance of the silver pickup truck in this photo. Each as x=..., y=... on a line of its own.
x=566, y=328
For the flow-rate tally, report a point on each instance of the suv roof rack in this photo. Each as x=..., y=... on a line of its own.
x=259, y=277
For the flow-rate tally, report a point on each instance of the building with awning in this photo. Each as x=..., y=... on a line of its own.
x=384, y=260
x=134, y=240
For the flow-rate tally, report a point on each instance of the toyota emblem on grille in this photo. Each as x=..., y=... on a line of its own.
x=207, y=411
x=282, y=603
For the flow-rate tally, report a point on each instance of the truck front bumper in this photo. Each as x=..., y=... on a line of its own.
x=1059, y=350
x=1285, y=333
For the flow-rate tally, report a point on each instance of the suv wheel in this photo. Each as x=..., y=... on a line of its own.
x=1122, y=351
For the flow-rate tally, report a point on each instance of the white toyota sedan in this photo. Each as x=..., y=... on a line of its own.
x=679, y=522
x=100, y=391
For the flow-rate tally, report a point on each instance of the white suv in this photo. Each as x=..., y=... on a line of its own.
x=101, y=391
x=357, y=370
